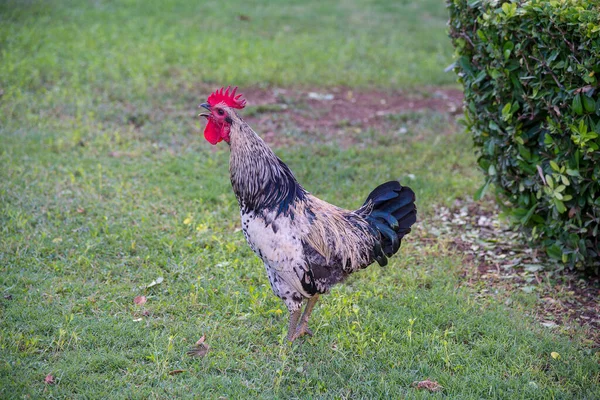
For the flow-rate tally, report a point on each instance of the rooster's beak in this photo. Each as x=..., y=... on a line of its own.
x=207, y=106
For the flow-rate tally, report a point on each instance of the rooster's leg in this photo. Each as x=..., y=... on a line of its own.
x=302, y=329
x=293, y=323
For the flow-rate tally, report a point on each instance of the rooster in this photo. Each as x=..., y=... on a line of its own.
x=307, y=245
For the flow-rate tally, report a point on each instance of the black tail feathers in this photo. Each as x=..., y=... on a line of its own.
x=392, y=214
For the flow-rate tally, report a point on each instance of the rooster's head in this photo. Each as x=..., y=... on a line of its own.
x=220, y=105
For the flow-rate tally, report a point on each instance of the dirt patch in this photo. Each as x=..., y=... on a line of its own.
x=499, y=262
x=344, y=104
x=339, y=113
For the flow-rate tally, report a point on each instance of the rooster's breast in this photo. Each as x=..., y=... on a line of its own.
x=275, y=239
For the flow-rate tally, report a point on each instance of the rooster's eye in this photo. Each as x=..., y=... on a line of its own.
x=220, y=112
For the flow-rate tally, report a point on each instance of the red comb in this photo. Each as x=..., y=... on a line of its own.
x=223, y=96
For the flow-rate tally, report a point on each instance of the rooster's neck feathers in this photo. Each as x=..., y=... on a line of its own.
x=260, y=180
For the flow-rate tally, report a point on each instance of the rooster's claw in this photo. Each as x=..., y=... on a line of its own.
x=302, y=330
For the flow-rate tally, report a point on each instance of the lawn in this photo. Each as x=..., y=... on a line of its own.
x=108, y=191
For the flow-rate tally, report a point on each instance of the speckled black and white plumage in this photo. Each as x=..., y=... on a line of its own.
x=308, y=245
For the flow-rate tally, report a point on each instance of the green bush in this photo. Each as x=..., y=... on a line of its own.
x=530, y=73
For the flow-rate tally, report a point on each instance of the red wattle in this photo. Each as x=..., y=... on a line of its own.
x=212, y=133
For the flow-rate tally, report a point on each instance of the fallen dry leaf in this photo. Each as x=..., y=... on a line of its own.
x=428, y=385
x=139, y=300
x=320, y=96
x=49, y=380
x=549, y=324
x=200, y=348
x=198, y=351
x=177, y=371
x=155, y=282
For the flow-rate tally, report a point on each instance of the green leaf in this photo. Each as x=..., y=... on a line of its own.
x=560, y=206
x=481, y=191
x=506, y=111
x=554, y=252
x=577, y=105
x=465, y=65
x=527, y=216
x=589, y=104
x=525, y=153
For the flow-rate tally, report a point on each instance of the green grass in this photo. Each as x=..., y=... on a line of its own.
x=106, y=185
x=151, y=43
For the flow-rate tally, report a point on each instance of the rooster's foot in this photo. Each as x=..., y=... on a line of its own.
x=302, y=330
x=296, y=330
